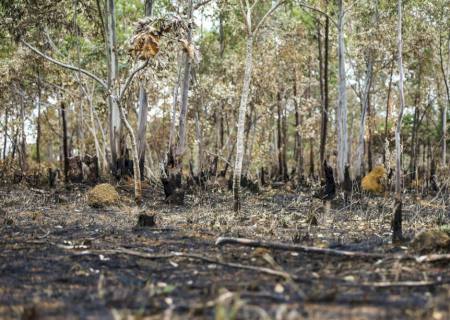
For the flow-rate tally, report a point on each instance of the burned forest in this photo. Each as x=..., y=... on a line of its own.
x=224, y=159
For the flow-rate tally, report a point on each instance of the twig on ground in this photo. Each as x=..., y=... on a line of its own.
x=298, y=248
x=172, y=255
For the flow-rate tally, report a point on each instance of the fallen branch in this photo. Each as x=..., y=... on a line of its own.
x=410, y=284
x=297, y=248
x=172, y=255
x=433, y=258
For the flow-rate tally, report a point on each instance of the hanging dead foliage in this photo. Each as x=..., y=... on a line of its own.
x=147, y=38
x=373, y=181
x=145, y=43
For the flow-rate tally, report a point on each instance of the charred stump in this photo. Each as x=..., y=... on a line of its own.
x=397, y=235
x=171, y=179
x=347, y=185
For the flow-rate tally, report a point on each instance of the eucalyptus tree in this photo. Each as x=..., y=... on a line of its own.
x=397, y=218
x=251, y=31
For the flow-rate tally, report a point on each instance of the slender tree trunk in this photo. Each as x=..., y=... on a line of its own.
x=298, y=137
x=445, y=75
x=148, y=7
x=413, y=161
x=114, y=112
x=38, y=123
x=23, y=150
x=135, y=153
x=174, y=109
x=241, y=123
x=279, y=139
x=5, y=133
x=359, y=165
x=369, y=138
x=342, y=139
x=142, y=128
x=143, y=109
x=397, y=219
x=388, y=102
x=184, y=102
x=65, y=148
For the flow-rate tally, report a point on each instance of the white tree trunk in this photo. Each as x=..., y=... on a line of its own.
x=114, y=112
x=241, y=123
x=342, y=141
x=362, y=126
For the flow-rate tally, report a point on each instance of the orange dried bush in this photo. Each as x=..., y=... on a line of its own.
x=373, y=181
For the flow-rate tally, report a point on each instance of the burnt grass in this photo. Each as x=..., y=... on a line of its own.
x=57, y=259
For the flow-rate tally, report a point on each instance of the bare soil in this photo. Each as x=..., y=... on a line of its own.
x=61, y=259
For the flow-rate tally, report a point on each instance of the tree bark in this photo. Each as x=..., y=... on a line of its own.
x=23, y=150
x=386, y=119
x=143, y=109
x=397, y=219
x=38, y=122
x=5, y=133
x=298, y=136
x=65, y=148
x=342, y=139
x=241, y=123
x=445, y=75
x=142, y=128
x=114, y=112
x=324, y=120
x=359, y=165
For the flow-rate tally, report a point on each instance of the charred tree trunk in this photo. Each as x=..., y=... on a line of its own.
x=64, y=142
x=5, y=133
x=397, y=218
x=323, y=76
x=142, y=128
x=173, y=184
x=342, y=139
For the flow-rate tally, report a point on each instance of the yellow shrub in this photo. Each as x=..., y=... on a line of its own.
x=102, y=195
x=372, y=181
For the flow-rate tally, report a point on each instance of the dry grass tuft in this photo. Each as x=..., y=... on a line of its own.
x=102, y=195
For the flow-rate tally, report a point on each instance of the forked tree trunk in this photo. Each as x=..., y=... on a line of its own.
x=397, y=219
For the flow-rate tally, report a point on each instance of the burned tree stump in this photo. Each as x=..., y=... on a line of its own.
x=347, y=185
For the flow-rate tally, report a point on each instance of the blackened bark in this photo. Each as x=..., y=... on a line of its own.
x=65, y=150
